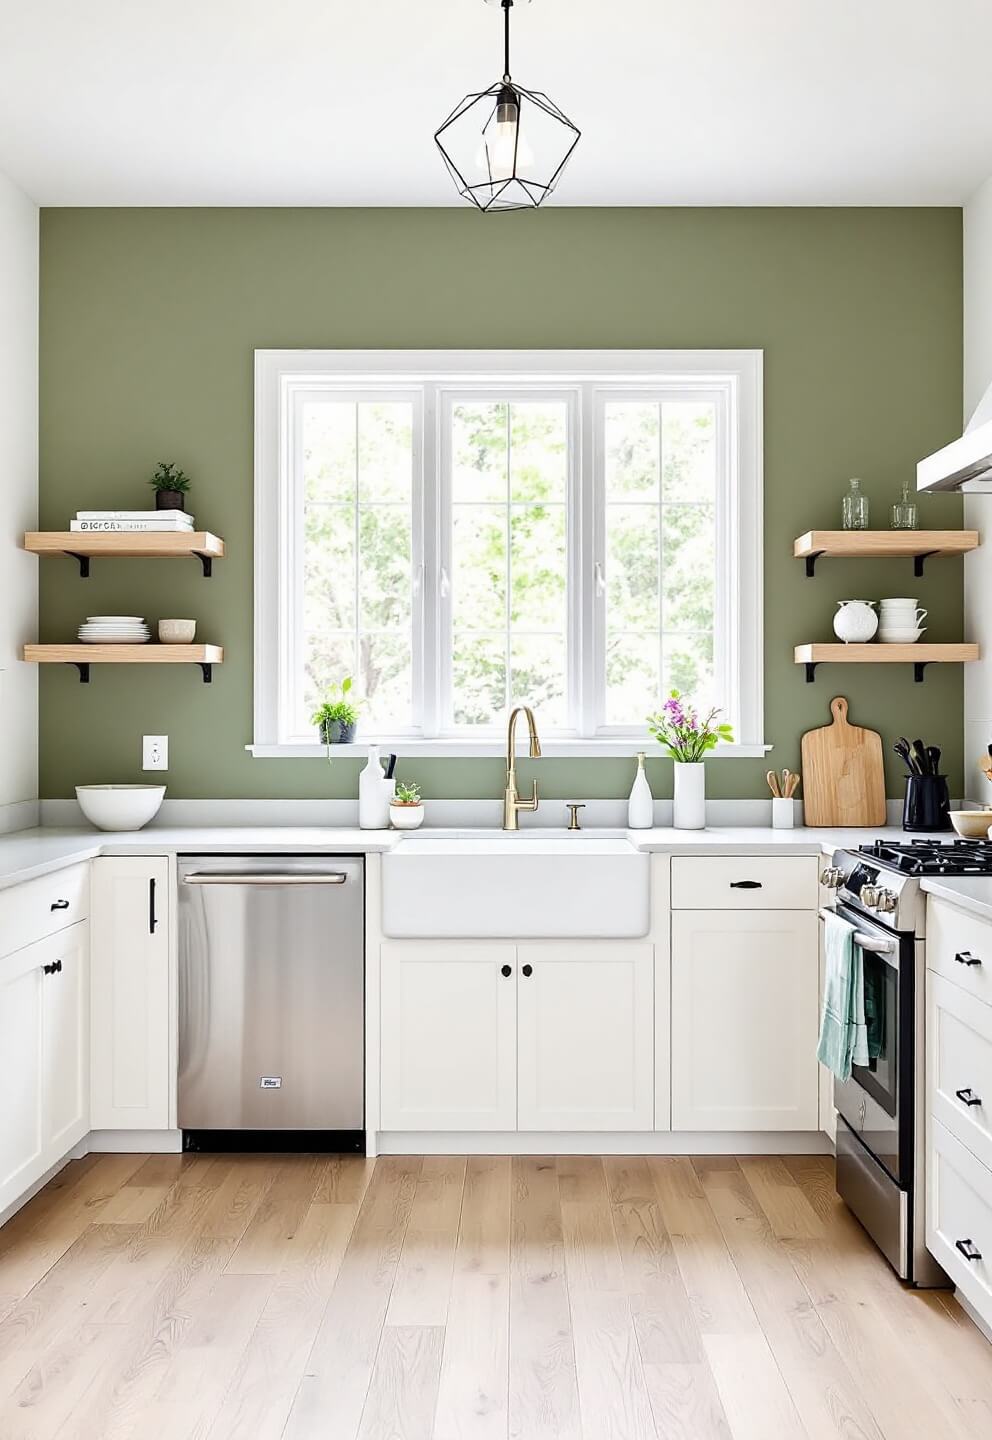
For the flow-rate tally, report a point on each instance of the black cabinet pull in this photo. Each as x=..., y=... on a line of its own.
x=528, y=970
x=54, y=969
x=152, y=917
x=968, y=1096
x=59, y=905
x=965, y=957
x=968, y=1249
x=745, y=884
x=506, y=971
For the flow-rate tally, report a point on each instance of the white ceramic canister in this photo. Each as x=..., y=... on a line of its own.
x=374, y=794
x=689, y=803
x=640, y=806
x=855, y=622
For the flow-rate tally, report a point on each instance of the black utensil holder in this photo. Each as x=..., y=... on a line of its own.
x=927, y=807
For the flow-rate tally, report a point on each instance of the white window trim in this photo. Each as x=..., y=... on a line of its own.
x=737, y=373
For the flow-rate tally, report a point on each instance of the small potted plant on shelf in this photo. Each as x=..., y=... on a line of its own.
x=337, y=717
x=406, y=808
x=170, y=485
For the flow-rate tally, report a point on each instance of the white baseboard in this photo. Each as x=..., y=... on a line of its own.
x=977, y=1320
x=630, y=1142
x=20, y=815
x=76, y=1153
x=133, y=1142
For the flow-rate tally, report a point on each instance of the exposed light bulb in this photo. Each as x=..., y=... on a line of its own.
x=504, y=142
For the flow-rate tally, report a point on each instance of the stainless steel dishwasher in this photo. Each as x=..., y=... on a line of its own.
x=271, y=1002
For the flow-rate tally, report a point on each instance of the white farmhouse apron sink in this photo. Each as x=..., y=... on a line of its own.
x=515, y=885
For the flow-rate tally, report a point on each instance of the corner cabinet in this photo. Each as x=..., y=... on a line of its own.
x=130, y=1087
x=44, y=1040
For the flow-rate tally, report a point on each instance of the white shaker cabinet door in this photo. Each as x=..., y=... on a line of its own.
x=130, y=1021
x=21, y=1119
x=448, y=1036
x=585, y=1057
x=744, y=1020
x=65, y=1084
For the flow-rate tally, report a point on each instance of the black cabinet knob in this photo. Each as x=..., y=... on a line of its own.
x=968, y=1096
x=968, y=1249
x=506, y=971
x=59, y=905
x=528, y=970
x=965, y=957
x=54, y=969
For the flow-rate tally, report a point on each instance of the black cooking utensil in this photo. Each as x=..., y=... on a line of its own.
x=933, y=755
x=390, y=767
x=901, y=747
x=919, y=751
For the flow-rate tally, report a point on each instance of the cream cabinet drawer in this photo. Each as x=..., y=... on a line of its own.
x=959, y=947
x=959, y=1046
x=959, y=1216
x=41, y=907
x=755, y=882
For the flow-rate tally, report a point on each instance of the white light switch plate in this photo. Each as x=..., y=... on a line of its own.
x=155, y=752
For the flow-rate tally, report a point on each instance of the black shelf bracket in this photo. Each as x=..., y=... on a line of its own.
x=83, y=666
x=919, y=561
x=811, y=563
x=918, y=668
x=208, y=672
x=207, y=561
x=84, y=564
x=810, y=671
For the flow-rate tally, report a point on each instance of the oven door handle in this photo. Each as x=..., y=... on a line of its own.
x=874, y=944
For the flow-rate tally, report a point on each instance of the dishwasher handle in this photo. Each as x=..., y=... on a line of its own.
x=205, y=877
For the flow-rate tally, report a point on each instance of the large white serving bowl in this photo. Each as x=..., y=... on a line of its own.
x=120, y=807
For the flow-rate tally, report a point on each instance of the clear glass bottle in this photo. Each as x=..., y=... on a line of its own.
x=905, y=512
x=855, y=509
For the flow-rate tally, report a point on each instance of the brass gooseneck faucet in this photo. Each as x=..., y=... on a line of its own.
x=512, y=804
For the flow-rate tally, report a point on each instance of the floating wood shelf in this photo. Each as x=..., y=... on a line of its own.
x=83, y=656
x=126, y=545
x=917, y=545
x=919, y=656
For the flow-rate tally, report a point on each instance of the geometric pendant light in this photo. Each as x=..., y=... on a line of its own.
x=506, y=147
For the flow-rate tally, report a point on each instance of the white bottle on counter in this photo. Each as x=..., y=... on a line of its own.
x=374, y=794
x=640, y=806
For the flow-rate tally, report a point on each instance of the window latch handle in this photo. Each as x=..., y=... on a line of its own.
x=444, y=584
x=600, y=578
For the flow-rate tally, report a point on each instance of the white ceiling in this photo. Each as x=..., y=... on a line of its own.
x=334, y=102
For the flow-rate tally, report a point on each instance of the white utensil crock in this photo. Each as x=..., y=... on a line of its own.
x=855, y=622
x=689, y=808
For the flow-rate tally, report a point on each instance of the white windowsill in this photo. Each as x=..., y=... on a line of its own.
x=441, y=749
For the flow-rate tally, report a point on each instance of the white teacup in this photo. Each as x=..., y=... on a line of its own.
x=904, y=613
x=176, y=632
x=899, y=635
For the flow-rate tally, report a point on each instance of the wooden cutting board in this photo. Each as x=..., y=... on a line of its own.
x=843, y=775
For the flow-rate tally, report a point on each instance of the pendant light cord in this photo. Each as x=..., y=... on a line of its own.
x=507, y=5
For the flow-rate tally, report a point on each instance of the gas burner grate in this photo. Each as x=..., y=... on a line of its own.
x=932, y=857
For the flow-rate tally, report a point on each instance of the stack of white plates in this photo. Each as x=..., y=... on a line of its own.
x=114, y=630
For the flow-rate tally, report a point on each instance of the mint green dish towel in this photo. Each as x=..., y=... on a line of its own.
x=843, y=1031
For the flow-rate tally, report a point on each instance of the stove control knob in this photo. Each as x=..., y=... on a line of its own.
x=831, y=878
x=869, y=896
x=886, y=901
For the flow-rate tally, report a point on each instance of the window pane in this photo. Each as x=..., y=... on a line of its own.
x=689, y=668
x=538, y=450
x=537, y=677
x=632, y=460
x=688, y=448
x=632, y=687
x=632, y=566
x=689, y=575
x=478, y=580
x=385, y=451
x=478, y=679
x=478, y=451
x=329, y=447
x=539, y=567
x=357, y=557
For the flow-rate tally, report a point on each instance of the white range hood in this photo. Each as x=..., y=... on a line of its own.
x=965, y=464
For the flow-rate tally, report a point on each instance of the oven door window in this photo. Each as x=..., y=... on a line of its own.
x=879, y=1076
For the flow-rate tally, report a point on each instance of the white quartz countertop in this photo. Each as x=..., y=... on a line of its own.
x=970, y=892
x=26, y=854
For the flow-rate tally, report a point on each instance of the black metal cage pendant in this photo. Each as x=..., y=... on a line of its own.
x=506, y=147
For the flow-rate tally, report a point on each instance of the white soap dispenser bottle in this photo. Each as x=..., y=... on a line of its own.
x=640, y=806
x=374, y=792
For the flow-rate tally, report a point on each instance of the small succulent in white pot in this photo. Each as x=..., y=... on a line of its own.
x=406, y=808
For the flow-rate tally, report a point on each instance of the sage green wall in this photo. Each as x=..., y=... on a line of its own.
x=148, y=323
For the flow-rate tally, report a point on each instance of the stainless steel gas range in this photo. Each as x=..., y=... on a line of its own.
x=881, y=1109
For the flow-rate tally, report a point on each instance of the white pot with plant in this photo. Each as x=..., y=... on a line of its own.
x=687, y=738
x=406, y=809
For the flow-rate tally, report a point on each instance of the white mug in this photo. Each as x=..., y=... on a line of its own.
x=905, y=614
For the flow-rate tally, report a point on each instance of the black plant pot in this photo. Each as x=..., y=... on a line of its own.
x=169, y=500
x=335, y=733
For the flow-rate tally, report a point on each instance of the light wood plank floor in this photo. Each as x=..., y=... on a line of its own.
x=323, y=1298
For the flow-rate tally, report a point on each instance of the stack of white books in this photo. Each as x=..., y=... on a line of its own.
x=169, y=521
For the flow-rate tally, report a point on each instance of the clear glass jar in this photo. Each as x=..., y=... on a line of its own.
x=905, y=512
x=855, y=508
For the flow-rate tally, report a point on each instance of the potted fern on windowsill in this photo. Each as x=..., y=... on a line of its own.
x=337, y=718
